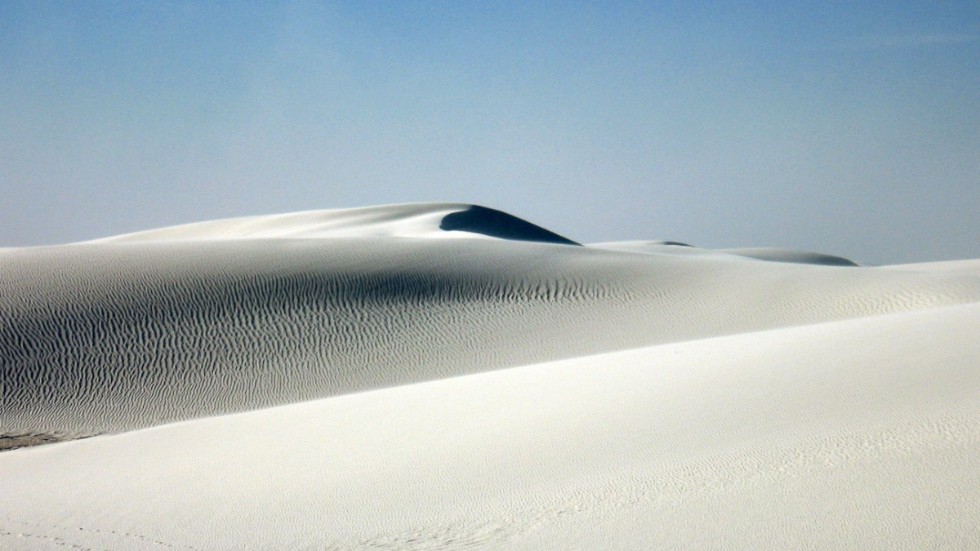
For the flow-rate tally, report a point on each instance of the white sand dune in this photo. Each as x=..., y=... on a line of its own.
x=340, y=379
x=430, y=220
x=771, y=254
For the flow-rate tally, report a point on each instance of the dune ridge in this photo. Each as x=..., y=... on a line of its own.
x=430, y=220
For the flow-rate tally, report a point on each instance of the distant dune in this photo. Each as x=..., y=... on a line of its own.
x=448, y=375
x=759, y=253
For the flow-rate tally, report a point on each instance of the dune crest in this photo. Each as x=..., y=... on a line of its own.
x=495, y=223
x=416, y=220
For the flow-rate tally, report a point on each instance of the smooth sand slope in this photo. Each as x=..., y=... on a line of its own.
x=443, y=376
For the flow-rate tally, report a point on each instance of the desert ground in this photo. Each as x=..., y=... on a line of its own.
x=449, y=376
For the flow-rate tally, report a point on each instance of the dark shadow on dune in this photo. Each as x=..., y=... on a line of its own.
x=14, y=441
x=495, y=223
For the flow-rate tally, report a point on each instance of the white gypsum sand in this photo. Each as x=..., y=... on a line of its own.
x=384, y=389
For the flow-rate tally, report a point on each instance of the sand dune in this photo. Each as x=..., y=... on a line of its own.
x=429, y=220
x=435, y=376
x=770, y=254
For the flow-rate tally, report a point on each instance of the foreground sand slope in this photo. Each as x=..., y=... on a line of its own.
x=845, y=435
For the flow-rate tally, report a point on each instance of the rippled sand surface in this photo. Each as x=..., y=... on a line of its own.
x=444, y=376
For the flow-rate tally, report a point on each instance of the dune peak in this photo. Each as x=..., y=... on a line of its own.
x=495, y=223
x=415, y=220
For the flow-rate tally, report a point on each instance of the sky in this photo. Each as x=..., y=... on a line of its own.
x=850, y=128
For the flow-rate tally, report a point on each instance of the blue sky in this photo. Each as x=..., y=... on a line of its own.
x=842, y=127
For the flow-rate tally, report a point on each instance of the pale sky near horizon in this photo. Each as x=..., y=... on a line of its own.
x=851, y=128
